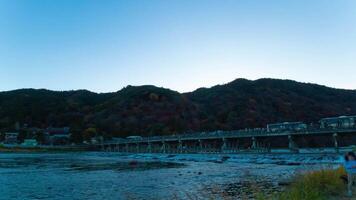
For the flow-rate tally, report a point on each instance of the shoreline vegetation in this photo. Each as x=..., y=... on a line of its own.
x=324, y=184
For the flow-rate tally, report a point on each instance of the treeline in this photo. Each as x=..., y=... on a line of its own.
x=150, y=110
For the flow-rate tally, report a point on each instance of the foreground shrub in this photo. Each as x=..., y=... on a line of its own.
x=315, y=185
x=324, y=184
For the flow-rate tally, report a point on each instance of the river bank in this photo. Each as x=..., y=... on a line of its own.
x=39, y=149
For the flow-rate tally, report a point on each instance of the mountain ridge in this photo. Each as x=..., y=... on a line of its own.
x=237, y=79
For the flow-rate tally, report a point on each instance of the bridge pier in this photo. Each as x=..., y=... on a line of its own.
x=168, y=148
x=231, y=146
x=223, y=146
x=254, y=143
x=118, y=147
x=108, y=149
x=200, y=149
x=180, y=146
x=102, y=147
x=163, y=148
x=121, y=148
x=149, y=147
x=237, y=146
x=127, y=148
x=291, y=144
x=215, y=149
x=336, y=144
x=137, y=148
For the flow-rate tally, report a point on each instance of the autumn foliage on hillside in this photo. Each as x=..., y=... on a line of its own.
x=150, y=110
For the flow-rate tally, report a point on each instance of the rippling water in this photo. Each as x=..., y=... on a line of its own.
x=140, y=176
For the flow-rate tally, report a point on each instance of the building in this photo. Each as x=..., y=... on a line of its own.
x=286, y=126
x=134, y=137
x=97, y=140
x=338, y=122
x=11, y=138
x=57, y=136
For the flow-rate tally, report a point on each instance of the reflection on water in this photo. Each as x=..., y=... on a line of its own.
x=118, y=176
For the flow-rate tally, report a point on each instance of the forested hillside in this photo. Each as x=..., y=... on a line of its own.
x=149, y=110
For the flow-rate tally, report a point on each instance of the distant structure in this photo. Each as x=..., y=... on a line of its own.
x=286, y=126
x=57, y=136
x=97, y=140
x=134, y=137
x=338, y=122
x=335, y=134
x=29, y=143
x=11, y=138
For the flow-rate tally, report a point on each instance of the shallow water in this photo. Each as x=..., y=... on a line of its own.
x=140, y=176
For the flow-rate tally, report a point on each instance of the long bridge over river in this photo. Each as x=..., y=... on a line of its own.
x=249, y=140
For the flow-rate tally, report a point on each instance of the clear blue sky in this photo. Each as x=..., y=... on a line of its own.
x=105, y=45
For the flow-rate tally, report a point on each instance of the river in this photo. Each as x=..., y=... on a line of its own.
x=97, y=175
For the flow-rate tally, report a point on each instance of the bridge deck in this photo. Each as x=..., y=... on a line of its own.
x=229, y=135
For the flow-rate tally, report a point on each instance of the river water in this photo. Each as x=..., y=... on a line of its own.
x=94, y=175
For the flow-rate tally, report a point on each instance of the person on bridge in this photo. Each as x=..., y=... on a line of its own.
x=350, y=166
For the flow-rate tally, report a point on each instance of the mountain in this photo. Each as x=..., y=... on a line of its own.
x=150, y=110
x=244, y=103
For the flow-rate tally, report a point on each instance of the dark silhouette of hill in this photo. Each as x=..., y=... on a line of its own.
x=243, y=103
x=150, y=110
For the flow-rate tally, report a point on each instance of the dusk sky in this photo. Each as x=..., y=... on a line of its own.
x=105, y=45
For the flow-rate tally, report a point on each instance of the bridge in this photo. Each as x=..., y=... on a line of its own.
x=248, y=140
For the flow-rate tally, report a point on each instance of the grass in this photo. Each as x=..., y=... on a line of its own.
x=316, y=185
x=324, y=184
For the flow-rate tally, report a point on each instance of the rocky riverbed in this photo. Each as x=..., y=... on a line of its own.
x=150, y=176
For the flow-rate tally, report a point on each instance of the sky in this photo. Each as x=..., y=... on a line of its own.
x=104, y=45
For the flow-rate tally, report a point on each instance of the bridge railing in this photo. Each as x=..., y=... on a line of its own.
x=227, y=134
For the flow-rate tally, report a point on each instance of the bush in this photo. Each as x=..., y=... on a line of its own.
x=316, y=185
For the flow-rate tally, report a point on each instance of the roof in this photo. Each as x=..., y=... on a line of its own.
x=339, y=117
x=58, y=131
x=285, y=123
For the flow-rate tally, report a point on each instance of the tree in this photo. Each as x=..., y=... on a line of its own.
x=89, y=133
x=2, y=137
x=40, y=137
x=76, y=136
x=22, y=136
x=232, y=119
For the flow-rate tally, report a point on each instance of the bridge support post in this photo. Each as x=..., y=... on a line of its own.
x=237, y=146
x=291, y=144
x=127, y=147
x=224, y=145
x=254, y=143
x=163, y=149
x=149, y=147
x=336, y=144
x=200, y=149
x=137, y=148
x=233, y=147
x=168, y=148
x=180, y=146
